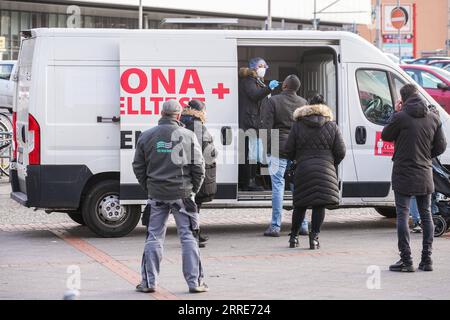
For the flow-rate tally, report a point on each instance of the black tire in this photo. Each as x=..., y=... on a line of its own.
x=440, y=225
x=77, y=217
x=100, y=205
x=387, y=212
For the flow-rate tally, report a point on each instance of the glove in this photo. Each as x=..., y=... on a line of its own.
x=273, y=84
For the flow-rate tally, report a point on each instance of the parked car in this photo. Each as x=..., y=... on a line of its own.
x=427, y=60
x=439, y=63
x=434, y=80
x=7, y=68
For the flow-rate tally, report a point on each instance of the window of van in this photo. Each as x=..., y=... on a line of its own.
x=5, y=71
x=375, y=95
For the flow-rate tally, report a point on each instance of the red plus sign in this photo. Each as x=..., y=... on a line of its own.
x=220, y=91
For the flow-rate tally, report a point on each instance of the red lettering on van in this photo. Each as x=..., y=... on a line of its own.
x=186, y=84
x=158, y=76
x=125, y=80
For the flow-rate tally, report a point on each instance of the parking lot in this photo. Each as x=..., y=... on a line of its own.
x=40, y=254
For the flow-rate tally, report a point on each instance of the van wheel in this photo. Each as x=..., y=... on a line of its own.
x=387, y=212
x=77, y=217
x=103, y=214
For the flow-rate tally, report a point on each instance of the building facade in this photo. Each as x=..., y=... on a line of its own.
x=251, y=14
x=431, y=25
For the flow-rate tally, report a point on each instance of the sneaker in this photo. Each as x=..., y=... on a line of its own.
x=416, y=228
x=304, y=232
x=142, y=287
x=426, y=267
x=272, y=232
x=401, y=266
x=200, y=289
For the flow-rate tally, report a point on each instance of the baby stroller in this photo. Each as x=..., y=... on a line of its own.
x=441, y=203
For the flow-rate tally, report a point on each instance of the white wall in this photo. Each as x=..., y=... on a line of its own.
x=359, y=10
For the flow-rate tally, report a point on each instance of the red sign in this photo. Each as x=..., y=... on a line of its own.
x=399, y=18
x=383, y=148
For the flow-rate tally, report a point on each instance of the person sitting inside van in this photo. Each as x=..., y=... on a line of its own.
x=252, y=90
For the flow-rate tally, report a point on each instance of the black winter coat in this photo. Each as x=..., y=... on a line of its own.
x=251, y=92
x=193, y=120
x=316, y=143
x=418, y=137
x=277, y=112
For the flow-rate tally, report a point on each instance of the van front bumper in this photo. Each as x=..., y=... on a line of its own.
x=50, y=186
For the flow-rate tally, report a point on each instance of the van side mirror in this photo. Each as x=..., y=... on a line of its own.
x=442, y=86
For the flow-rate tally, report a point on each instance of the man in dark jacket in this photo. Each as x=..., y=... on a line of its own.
x=169, y=165
x=277, y=119
x=418, y=136
x=252, y=90
x=194, y=118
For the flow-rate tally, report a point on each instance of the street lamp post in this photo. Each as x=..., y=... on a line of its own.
x=399, y=38
x=269, y=15
x=140, y=14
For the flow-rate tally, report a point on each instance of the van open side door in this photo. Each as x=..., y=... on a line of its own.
x=159, y=68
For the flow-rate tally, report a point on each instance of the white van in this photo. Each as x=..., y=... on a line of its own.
x=84, y=96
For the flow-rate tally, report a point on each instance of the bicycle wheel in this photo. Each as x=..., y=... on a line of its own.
x=5, y=148
x=5, y=119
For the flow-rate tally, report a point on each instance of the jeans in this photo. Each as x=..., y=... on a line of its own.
x=187, y=224
x=402, y=203
x=277, y=168
x=255, y=150
x=414, y=211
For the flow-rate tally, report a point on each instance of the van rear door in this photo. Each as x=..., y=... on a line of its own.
x=155, y=68
x=23, y=137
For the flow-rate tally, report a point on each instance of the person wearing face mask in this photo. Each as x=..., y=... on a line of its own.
x=252, y=90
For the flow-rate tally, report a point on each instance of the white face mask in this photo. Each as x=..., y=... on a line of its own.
x=261, y=72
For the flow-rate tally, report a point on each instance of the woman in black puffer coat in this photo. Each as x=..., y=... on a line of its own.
x=194, y=118
x=317, y=146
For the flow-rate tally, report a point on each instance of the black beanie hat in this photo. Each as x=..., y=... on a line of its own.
x=196, y=105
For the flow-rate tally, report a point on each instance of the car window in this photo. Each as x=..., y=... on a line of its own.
x=429, y=81
x=5, y=71
x=413, y=75
x=398, y=84
x=375, y=95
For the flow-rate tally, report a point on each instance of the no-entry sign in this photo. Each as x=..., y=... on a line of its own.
x=399, y=17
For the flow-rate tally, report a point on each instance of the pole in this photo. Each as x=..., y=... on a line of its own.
x=140, y=14
x=378, y=24
x=399, y=38
x=269, y=15
x=315, y=15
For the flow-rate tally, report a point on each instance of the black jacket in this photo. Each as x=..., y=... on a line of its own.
x=163, y=175
x=277, y=112
x=251, y=92
x=418, y=136
x=193, y=120
x=316, y=143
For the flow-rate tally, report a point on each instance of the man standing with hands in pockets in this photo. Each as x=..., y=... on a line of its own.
x=417, y=133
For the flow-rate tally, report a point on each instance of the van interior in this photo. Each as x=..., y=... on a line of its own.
x=316, y=68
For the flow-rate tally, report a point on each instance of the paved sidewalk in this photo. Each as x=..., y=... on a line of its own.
x=35, y=258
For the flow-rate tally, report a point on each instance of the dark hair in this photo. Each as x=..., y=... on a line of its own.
x=317, y=99
x=407, y=91
x=292, y=82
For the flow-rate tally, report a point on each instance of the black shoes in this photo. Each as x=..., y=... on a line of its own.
x=426, y=264
x=252, y=186
x=402, y=266
x=202, y=239
x=314, y=241
x=293, y=241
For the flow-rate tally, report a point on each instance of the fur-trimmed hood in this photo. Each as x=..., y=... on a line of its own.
x=245, y=72
x=313, y=110
x=194, y=113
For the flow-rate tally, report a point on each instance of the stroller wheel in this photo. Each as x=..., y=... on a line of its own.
x=440, y=225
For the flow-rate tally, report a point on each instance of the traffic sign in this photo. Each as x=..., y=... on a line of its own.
x=399, y=17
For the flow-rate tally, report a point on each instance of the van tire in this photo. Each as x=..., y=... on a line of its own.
x=388, y=212
x=77, y=217
x=98, y=197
